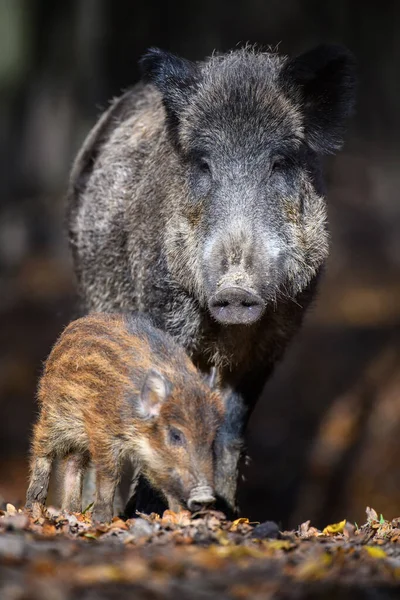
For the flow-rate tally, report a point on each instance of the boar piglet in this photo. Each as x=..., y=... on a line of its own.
x=114, y=387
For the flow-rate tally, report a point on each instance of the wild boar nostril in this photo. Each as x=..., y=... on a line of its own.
x=221, y=303
x=248, y=303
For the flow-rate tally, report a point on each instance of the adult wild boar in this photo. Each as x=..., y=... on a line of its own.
x=198, y=198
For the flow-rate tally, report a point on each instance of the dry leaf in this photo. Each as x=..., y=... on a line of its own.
x=304, y=527
x=222, y=538
x=335, y=528
x=375, y=551
x=170, y=517
x=236, y=552
x=278, y=544
x=17, y=521
x=117, y=523
x=11, y=510
x=238, y=522
x=90, y=536
x=315, y=567
x=305, y=531
x=97, y=574
x=372, y=515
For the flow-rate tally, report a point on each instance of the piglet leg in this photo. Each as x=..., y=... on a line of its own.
x=39, y=482
x=106, y=483
x=74, y=470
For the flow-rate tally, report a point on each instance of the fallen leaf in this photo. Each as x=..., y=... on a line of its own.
x=98, y=574
x=236, y=552
x=49, y=530
x=15, y=522
x=117, y=523
x=238, y=522
x=334, y=528
x=213, y=522
x=278, y=544
x=372, y=515
x=304, y=527
x=222, y=538
x=151, y=517
x=88, y=508
x=315, y=567
x=305, y=531
x=11, y=510
x=375, y=551
x=349, y=530
x=170, y=517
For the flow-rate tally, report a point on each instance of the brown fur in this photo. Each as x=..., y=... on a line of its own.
x=92, y=400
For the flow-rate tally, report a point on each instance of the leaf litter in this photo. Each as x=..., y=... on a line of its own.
x=50, y=555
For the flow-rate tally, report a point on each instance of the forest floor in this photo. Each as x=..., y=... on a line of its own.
x=54, y=556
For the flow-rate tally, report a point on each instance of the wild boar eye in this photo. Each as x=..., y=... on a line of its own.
x=278, y=165
x=204, y=166
x=176, y=437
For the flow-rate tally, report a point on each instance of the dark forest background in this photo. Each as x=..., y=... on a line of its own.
x=325, y=439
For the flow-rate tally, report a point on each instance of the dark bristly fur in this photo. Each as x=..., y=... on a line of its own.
x=198, y=198
x=114, y=387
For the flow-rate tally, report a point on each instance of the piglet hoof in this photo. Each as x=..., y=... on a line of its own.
x=102, y=515
x=36, y=509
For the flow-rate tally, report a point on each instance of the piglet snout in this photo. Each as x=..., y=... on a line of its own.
x=200, y=497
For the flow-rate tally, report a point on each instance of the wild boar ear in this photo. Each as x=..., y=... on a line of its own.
x=154, y=393
x=176, y=78
x=326, y=76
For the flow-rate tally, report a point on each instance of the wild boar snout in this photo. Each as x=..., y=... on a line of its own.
x=200, y=497
x=236, y=305
x=242, y=267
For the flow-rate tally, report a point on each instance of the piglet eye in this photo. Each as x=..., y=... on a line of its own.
x=176, y=437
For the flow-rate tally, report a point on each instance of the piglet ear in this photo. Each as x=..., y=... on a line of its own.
x=176, y=78
x=326, y=77
x=154, y=393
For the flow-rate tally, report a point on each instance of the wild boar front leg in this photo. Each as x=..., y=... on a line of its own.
x=227, y=455
x=39, y=481
x=229, y=442
x=228, y=448
x=74, y=470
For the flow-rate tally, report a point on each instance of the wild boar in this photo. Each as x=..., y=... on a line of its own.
x=198, y=198
x=115, y=388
